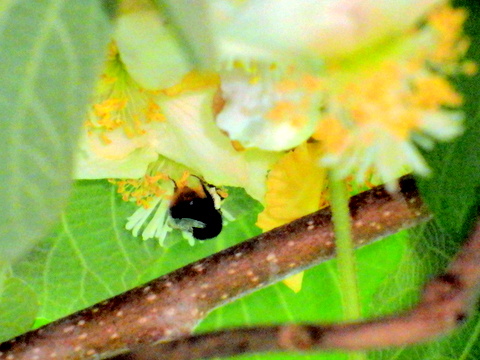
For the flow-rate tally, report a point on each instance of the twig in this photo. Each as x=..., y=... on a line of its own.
x=170, y=306
x=446, y=303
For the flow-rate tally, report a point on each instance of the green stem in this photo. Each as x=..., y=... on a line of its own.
x=344, y=247
x=345, y=252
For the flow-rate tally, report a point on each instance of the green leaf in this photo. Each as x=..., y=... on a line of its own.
x=18, y=307
x=435, y=249
x=91, y=257
x=452, y=191
x=51, y=54
x=452, y=194
x=382, y=290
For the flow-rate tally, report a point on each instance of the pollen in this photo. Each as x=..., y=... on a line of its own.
x=153, y=193
x=332, y=133
x=295, y=109
x=194, y=81
x=269, y=108
x=378, y=121
x=120, y=102
x=433, y=92
x=287, y=111
x=105, y=112
x=448, y=23
x=154, y=112
x=142, y=191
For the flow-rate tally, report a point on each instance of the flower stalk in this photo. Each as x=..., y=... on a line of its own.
x=345, y=251
x=345, y=248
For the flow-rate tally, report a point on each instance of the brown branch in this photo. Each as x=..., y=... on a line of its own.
x=170, y=306
x=446, y=303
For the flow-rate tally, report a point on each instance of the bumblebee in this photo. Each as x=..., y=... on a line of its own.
x=197, y=211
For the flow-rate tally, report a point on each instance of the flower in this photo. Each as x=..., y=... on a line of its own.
x=374, y=115
x=114, y=142
x=152, y=194
x=191, y=137
x=305, y=33
x=148, y=137
x=176, y=122
x=377, y=95
x=362, y=106
x=269, y=108
x=377, y=120
x=296, y=186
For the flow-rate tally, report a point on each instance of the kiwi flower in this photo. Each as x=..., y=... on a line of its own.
x=360, y=86
x=377, y=111
x=378, y=120
x=153, y=138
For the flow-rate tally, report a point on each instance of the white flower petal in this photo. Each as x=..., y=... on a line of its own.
x=415, y=159
x=443, y=125
x=261, y=112
x=149, y=50
x=278, y=28
x=119, y=159
x=191, y=138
